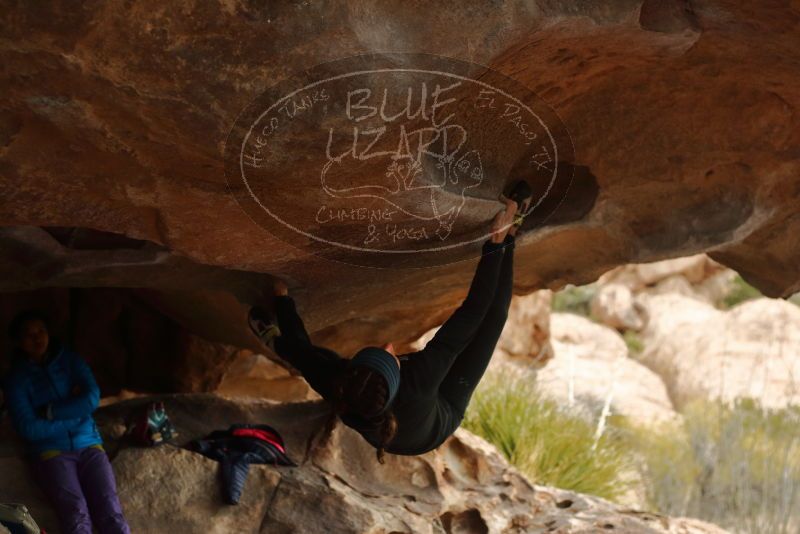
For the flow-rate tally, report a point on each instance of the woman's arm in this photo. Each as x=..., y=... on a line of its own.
x=85, y=401
x=23, y=414
x=319, y=366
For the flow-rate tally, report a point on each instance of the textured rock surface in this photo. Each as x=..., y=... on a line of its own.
x=695, y=276
x=591, y=367
x=527, y=332
x=702, y=353
x=253, y=375
x=614, y=305
x=464, y=487
x=114, y=117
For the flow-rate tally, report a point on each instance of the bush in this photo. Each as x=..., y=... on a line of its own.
x=633, y=341
x=574, y=299
x=739, y=292
x=735, y=466
x=546, y=443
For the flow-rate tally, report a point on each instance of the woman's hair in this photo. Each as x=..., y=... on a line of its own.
x=17, y=324
x=363, y=392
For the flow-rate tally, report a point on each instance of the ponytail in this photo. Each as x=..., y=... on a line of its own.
x=388, y=430
x=362, y=392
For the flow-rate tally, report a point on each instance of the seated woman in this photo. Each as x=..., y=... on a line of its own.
x=51, y=394
x=410, y=404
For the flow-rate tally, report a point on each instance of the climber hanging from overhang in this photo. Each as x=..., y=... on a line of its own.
x=411, y=403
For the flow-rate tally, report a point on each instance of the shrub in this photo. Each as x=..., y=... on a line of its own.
x=737, y=466
x=633, y=341
x=549, y=445
x=574, y=299
x=739, y=292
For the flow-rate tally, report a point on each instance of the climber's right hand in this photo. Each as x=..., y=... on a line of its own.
x=280, y=289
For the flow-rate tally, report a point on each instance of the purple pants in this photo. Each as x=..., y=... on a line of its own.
x=80, y=484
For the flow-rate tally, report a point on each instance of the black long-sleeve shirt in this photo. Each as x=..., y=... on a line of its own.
x=424, y=421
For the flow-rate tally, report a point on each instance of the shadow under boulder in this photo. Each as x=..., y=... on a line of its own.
x=128, y=342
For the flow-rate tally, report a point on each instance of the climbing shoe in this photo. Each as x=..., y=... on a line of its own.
x=261, y=325
x=521, y=193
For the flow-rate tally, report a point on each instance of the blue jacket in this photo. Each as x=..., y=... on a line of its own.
x=65, y=382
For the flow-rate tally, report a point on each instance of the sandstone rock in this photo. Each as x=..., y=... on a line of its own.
x=683, y=117
x=174, y=490
x=253, y=375
x=695, y=269
x=695, y=276
x=527, y=332
x=614, y=305
x=704, y=353
x=591, y=367
x=116, y=120
x=464, y=486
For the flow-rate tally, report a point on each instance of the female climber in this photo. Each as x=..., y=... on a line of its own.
x=51, y=395
x=409, y=404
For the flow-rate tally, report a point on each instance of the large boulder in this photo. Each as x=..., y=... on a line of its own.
x=683, y=118
x=704, y=353
x=695, y=276
x=255, y=375
x=526, y=335
x=463, y=487
x=591, y=367
x=695, y=269
x=615, y=305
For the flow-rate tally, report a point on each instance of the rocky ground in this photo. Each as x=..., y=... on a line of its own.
x=463, y=487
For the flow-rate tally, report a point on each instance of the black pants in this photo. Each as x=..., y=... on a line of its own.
x=470, y=365
x=437, y=382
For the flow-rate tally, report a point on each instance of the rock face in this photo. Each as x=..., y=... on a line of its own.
x=463, y=487
x=615, y=306
x=591, y=367
x=704, y=353
x=255, y=376
x=695, y=276
x=683, y=118
x=526, y=335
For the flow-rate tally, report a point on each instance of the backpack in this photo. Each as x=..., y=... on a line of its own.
x=17, y=519
x=151, y=426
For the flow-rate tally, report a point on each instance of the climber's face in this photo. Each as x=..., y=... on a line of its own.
x=34, y=339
